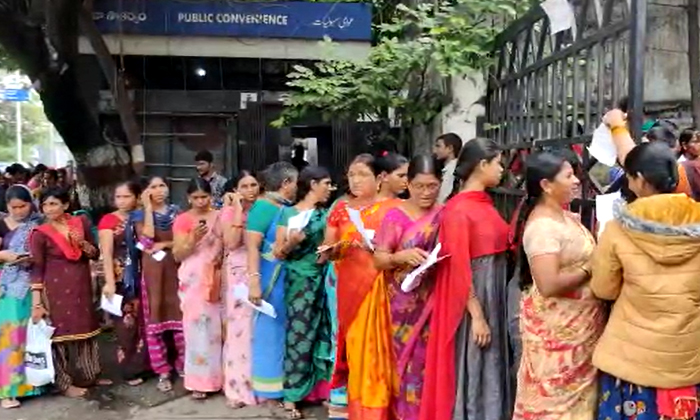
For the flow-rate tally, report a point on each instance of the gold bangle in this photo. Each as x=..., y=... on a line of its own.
x=619, y=129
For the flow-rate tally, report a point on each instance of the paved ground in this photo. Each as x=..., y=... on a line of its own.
x=110, y=405
x=121, y=402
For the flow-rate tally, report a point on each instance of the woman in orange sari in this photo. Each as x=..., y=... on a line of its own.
x=364, y=360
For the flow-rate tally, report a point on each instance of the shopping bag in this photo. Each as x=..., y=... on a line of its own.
x=38, y=360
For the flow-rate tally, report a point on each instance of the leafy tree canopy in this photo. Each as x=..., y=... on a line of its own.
x=445, y=38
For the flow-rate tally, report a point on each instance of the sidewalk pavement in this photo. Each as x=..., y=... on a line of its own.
x=109, y=404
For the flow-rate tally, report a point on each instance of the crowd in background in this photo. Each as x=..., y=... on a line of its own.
x=229, y=296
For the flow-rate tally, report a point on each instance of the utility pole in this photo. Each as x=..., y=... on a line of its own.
x=694, y=59
x=18, y=127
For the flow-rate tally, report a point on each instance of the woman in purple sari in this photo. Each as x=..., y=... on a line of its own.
x=407, y=235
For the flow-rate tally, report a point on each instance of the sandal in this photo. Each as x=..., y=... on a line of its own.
x=10, y=403
x=164, y=384
x=199, y=396
x=135, y=382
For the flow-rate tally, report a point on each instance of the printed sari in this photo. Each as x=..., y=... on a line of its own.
x=307, y=367
x=410, y=312
x=268, y=333
x=15, y=311
x=238, y=322
x=556, y=378
x=364, y=359
x=200, y=301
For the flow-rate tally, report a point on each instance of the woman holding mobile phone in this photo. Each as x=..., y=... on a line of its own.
x=15, y=299
x=198, y=246
x=241, y=192
x=153, y=227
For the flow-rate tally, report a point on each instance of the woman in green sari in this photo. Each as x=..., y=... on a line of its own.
x=307, y=362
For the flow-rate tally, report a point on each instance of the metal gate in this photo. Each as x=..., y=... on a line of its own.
x=550, y=91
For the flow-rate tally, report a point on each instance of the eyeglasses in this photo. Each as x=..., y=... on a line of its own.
x=425, y=187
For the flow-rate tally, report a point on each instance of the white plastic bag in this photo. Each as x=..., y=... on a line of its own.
x=38, y=360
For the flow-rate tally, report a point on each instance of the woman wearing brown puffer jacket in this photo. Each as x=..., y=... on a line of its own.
x=648, y=263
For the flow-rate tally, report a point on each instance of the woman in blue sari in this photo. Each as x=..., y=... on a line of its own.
x=266, y=279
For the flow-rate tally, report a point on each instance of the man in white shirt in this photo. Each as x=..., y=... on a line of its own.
x=446, y=150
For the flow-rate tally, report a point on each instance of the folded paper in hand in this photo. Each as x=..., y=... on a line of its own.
x=602, y=146
x=367, y=235
x=159, y=255
x=299, y=221
x=413, y=279
x=112, y=306
x=240, y=292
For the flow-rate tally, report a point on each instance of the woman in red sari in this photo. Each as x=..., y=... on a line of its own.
x=364, y=360
x=466, y=362
x=61, y=250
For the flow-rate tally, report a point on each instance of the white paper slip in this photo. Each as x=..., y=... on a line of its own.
x=158, y=256
x=140, y=246
x=413, y=278
x=240, y=291
x=604, y=205
x=356, y=219
x=602, y=146
x=113, y=306
x=561, y=15
x=299, y=221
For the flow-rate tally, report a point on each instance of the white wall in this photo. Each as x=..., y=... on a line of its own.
x=460, y=116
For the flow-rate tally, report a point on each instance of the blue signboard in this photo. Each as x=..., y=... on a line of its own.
x=284, y=19
x=14, y=95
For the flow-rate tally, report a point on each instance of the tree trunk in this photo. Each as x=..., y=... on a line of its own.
x=49, y=58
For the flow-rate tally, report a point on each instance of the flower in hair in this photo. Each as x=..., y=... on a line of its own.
x=385, y=153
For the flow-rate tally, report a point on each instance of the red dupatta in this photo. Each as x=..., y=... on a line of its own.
x=69, y=246
x=470, y=228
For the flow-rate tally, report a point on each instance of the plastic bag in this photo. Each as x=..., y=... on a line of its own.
x=38, y=359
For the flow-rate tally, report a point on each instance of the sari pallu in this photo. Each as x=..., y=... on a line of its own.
x=470, y=228
x=364, y=358
x=410, y=312
x=269, y=333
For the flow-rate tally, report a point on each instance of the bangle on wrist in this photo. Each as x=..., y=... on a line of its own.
x=618, y=129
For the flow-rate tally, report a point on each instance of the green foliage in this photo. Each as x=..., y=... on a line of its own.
x=445, y=38
x=35, y=128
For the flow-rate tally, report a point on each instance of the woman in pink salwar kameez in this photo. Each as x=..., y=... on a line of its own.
x=242, y=191
x=198, y=246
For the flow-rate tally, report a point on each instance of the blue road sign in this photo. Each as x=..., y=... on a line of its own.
x=14, y=95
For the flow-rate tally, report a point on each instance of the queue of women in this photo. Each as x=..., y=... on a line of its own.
x=343, y=331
